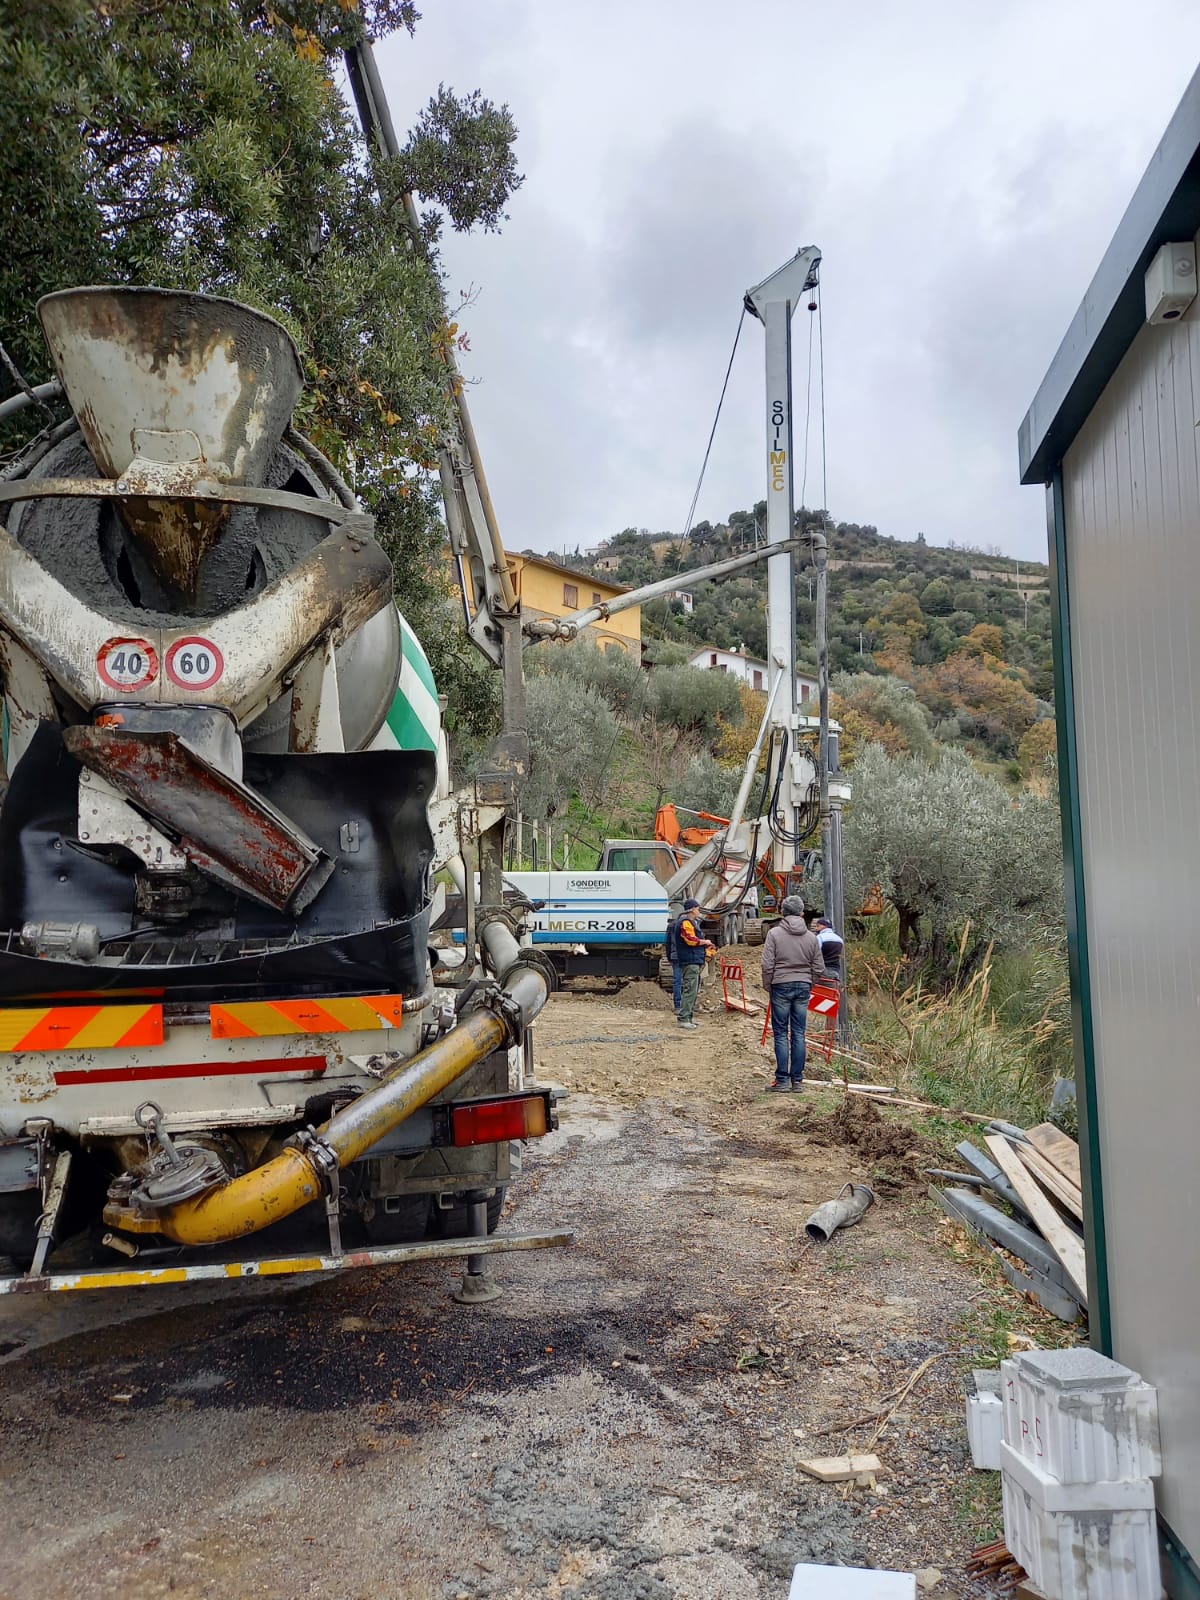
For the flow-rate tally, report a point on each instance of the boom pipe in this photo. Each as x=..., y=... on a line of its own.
x=570, y=627
x=376, y=120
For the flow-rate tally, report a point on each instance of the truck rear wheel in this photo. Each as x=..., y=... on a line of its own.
x=455, y=1223
x=399, y=1218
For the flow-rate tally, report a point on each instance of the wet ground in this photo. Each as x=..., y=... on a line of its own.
x=624, y=1424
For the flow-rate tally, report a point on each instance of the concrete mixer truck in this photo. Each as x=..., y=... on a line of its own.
x=225, y=808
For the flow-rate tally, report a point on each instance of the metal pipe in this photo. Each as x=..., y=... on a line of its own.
x=321, y=465
x=569, y=627
x=41, y=393
x=843, y=1212
x=743, y=794
x=820, y=554
x=376, y=120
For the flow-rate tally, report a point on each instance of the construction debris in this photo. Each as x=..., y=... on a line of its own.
x=985, y=1421
x=1024, y=1200
x=849, y=1207
x=863, y=1470
x=997, y=1562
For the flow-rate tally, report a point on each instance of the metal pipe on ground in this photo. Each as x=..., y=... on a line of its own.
x=843, y=1212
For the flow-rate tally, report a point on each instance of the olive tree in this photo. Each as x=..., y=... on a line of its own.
x=952, y=851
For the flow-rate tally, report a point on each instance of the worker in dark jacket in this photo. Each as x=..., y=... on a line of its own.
x=693, y=951
x=791, y=964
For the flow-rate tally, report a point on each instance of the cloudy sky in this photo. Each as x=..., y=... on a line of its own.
x=962, y=168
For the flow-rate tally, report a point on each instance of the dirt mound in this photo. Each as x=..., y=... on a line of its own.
x=894, y=1151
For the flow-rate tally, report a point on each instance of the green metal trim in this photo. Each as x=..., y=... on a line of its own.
x=1099, y=1308
x=1180, y=1572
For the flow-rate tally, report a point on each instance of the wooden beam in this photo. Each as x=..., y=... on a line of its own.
x=1052, y=1180
x=1066, y=1246
x=1062, y=1153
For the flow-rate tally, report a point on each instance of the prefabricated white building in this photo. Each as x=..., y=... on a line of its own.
x=1114, y=436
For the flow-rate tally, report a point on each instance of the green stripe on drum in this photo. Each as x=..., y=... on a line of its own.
x=414, y=718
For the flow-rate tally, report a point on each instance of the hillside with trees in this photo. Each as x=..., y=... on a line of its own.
x=962, y=634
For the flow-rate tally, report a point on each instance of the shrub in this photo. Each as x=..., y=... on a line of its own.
x=708, y=786
x=694, y=700
x=572, y=736
x=613, y=673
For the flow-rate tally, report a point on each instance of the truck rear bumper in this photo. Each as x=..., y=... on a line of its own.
x=135, y=1277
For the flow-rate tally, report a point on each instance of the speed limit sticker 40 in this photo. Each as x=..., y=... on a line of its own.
x=195, y=663
x=127, y=665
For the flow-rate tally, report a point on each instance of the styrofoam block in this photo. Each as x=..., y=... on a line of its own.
x=985, y=1429
x=1080, y=1416
x=1117, y=1494
x=1085, y=1555
x=850, y=1583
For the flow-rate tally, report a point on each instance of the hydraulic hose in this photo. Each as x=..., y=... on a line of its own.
x=298, y=1175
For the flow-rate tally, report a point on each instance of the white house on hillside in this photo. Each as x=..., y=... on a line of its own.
x=751, y=671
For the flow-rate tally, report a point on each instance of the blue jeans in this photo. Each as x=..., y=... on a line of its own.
x=789, y=1015
x=678, y=971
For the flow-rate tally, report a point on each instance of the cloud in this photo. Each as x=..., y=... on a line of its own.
x=961, y=180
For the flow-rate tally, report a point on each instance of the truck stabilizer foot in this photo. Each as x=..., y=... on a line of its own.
x=476, y=1289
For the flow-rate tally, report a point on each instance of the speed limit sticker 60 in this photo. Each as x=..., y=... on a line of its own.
x=194, y=663
x=127, y=664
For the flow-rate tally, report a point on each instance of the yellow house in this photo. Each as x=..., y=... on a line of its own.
x=548, y=590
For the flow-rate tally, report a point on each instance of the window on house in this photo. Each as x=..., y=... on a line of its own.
x=571, y=595
x=712, y=658
x=595, y=598
x=758, y=680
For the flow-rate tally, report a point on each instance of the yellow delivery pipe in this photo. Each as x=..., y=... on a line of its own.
x=295, y=1177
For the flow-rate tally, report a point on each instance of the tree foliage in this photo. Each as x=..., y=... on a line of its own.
x=204, y=145
x=572, y=737
x=883, y=711
x=954, y=855
x=696, y=700
x=706, y=785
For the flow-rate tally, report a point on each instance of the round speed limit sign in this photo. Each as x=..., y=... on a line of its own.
x=194, y=663
x=127, y=665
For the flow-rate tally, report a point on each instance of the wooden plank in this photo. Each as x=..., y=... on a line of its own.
x=991, y=1174
x=1052, y=1180
x=1061, y=1152
x=1054, y=1230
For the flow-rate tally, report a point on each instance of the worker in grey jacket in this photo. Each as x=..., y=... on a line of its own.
x=791, y=964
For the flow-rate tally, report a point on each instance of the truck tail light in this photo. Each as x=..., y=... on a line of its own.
x=502, y=1117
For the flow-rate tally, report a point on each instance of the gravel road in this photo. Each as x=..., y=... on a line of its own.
x=623, y=1424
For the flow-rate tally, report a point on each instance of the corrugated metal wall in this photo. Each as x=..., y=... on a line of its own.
x=1131, y=486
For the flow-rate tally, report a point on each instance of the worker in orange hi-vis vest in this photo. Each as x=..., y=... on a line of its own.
x=693, y=951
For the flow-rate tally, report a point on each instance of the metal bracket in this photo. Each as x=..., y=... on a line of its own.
x=48, y=1220
x=333, y=1196
x=326, y=1164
